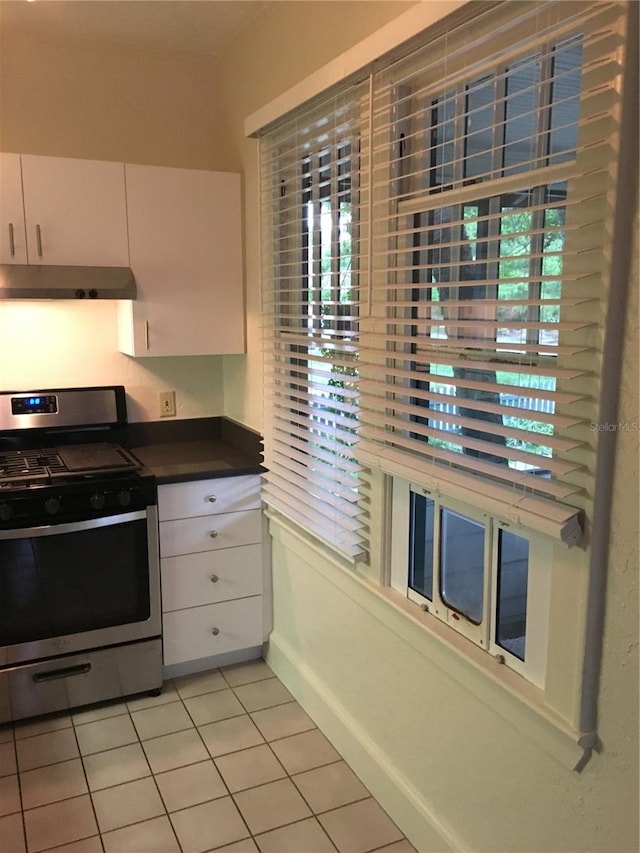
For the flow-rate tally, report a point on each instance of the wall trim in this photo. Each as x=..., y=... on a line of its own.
x=394, y=792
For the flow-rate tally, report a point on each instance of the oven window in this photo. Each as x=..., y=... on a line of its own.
x=52, y=586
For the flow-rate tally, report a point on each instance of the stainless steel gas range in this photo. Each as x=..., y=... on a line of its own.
x=80, y=614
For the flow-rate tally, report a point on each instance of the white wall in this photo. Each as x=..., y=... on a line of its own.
x=450, y=768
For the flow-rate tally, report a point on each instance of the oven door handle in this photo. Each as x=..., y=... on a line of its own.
x=72, y=526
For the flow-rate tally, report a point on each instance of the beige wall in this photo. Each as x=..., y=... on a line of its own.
x=70, y=100
x=79, y=101
x=447, y=763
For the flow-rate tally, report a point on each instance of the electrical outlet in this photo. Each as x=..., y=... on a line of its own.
x=167, y=404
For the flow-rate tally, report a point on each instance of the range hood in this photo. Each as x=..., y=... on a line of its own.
x=30, y=281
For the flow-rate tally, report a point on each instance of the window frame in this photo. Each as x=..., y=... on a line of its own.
x=539, y=578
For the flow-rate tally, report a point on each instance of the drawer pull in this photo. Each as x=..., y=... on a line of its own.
x=214, y=578
x=64, y=672
x=213, y=533
x=215, y=631
x=212, y=499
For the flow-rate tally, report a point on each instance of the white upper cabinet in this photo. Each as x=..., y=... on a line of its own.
x=13, y=242
x=75, y=211
x=186, y=254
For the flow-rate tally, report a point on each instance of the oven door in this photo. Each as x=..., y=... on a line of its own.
x=78, y=586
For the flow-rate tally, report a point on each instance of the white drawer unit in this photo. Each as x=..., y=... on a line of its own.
x=214, y=629
x=211, y=563
x=208, y=497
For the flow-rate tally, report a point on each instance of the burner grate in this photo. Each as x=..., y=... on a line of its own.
x=28, y=464
x=72, y=463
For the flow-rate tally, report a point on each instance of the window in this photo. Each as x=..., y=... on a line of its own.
x=485, y=361
x=312, y=172
x=489, y=176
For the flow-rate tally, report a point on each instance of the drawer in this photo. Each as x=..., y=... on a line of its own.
x=210, y=533
x=195, y=579
x=212, y=630
x=206, y=497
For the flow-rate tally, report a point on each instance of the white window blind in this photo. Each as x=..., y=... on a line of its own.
x=493, y=154
x=435, y=247
x=312, y=263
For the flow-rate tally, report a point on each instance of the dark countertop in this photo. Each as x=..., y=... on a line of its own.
x=196, y=449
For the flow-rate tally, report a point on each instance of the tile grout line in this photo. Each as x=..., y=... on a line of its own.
x=246, y=713
x=15, y=755
x=312, y=816
x=211, y=758
x=152, y=776
x=86, y=779
x=288, y=775
x=64, y=799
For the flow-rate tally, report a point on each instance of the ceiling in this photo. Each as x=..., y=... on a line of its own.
x=195, y=27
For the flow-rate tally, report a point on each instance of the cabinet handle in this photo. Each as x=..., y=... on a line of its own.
x=146, y=334
x=212, y=499
x=215, y=631
x=12, y=244
x=39, y=240
x=213, y=534
x=214, y=578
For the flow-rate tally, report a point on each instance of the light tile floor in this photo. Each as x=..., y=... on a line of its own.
x=223, y=760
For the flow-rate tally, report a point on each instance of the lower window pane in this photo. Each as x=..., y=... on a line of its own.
x=421, y=545
x=513, y=573
x=462, y=564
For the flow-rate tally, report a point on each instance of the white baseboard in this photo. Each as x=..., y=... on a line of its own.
x=404, y=804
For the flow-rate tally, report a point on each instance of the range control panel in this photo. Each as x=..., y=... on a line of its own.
x=57, y=408
x=46, y=404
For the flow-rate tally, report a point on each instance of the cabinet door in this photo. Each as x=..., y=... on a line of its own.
x=185, y=245
x=208, y=497
x=13, y=241
x=75, y=211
